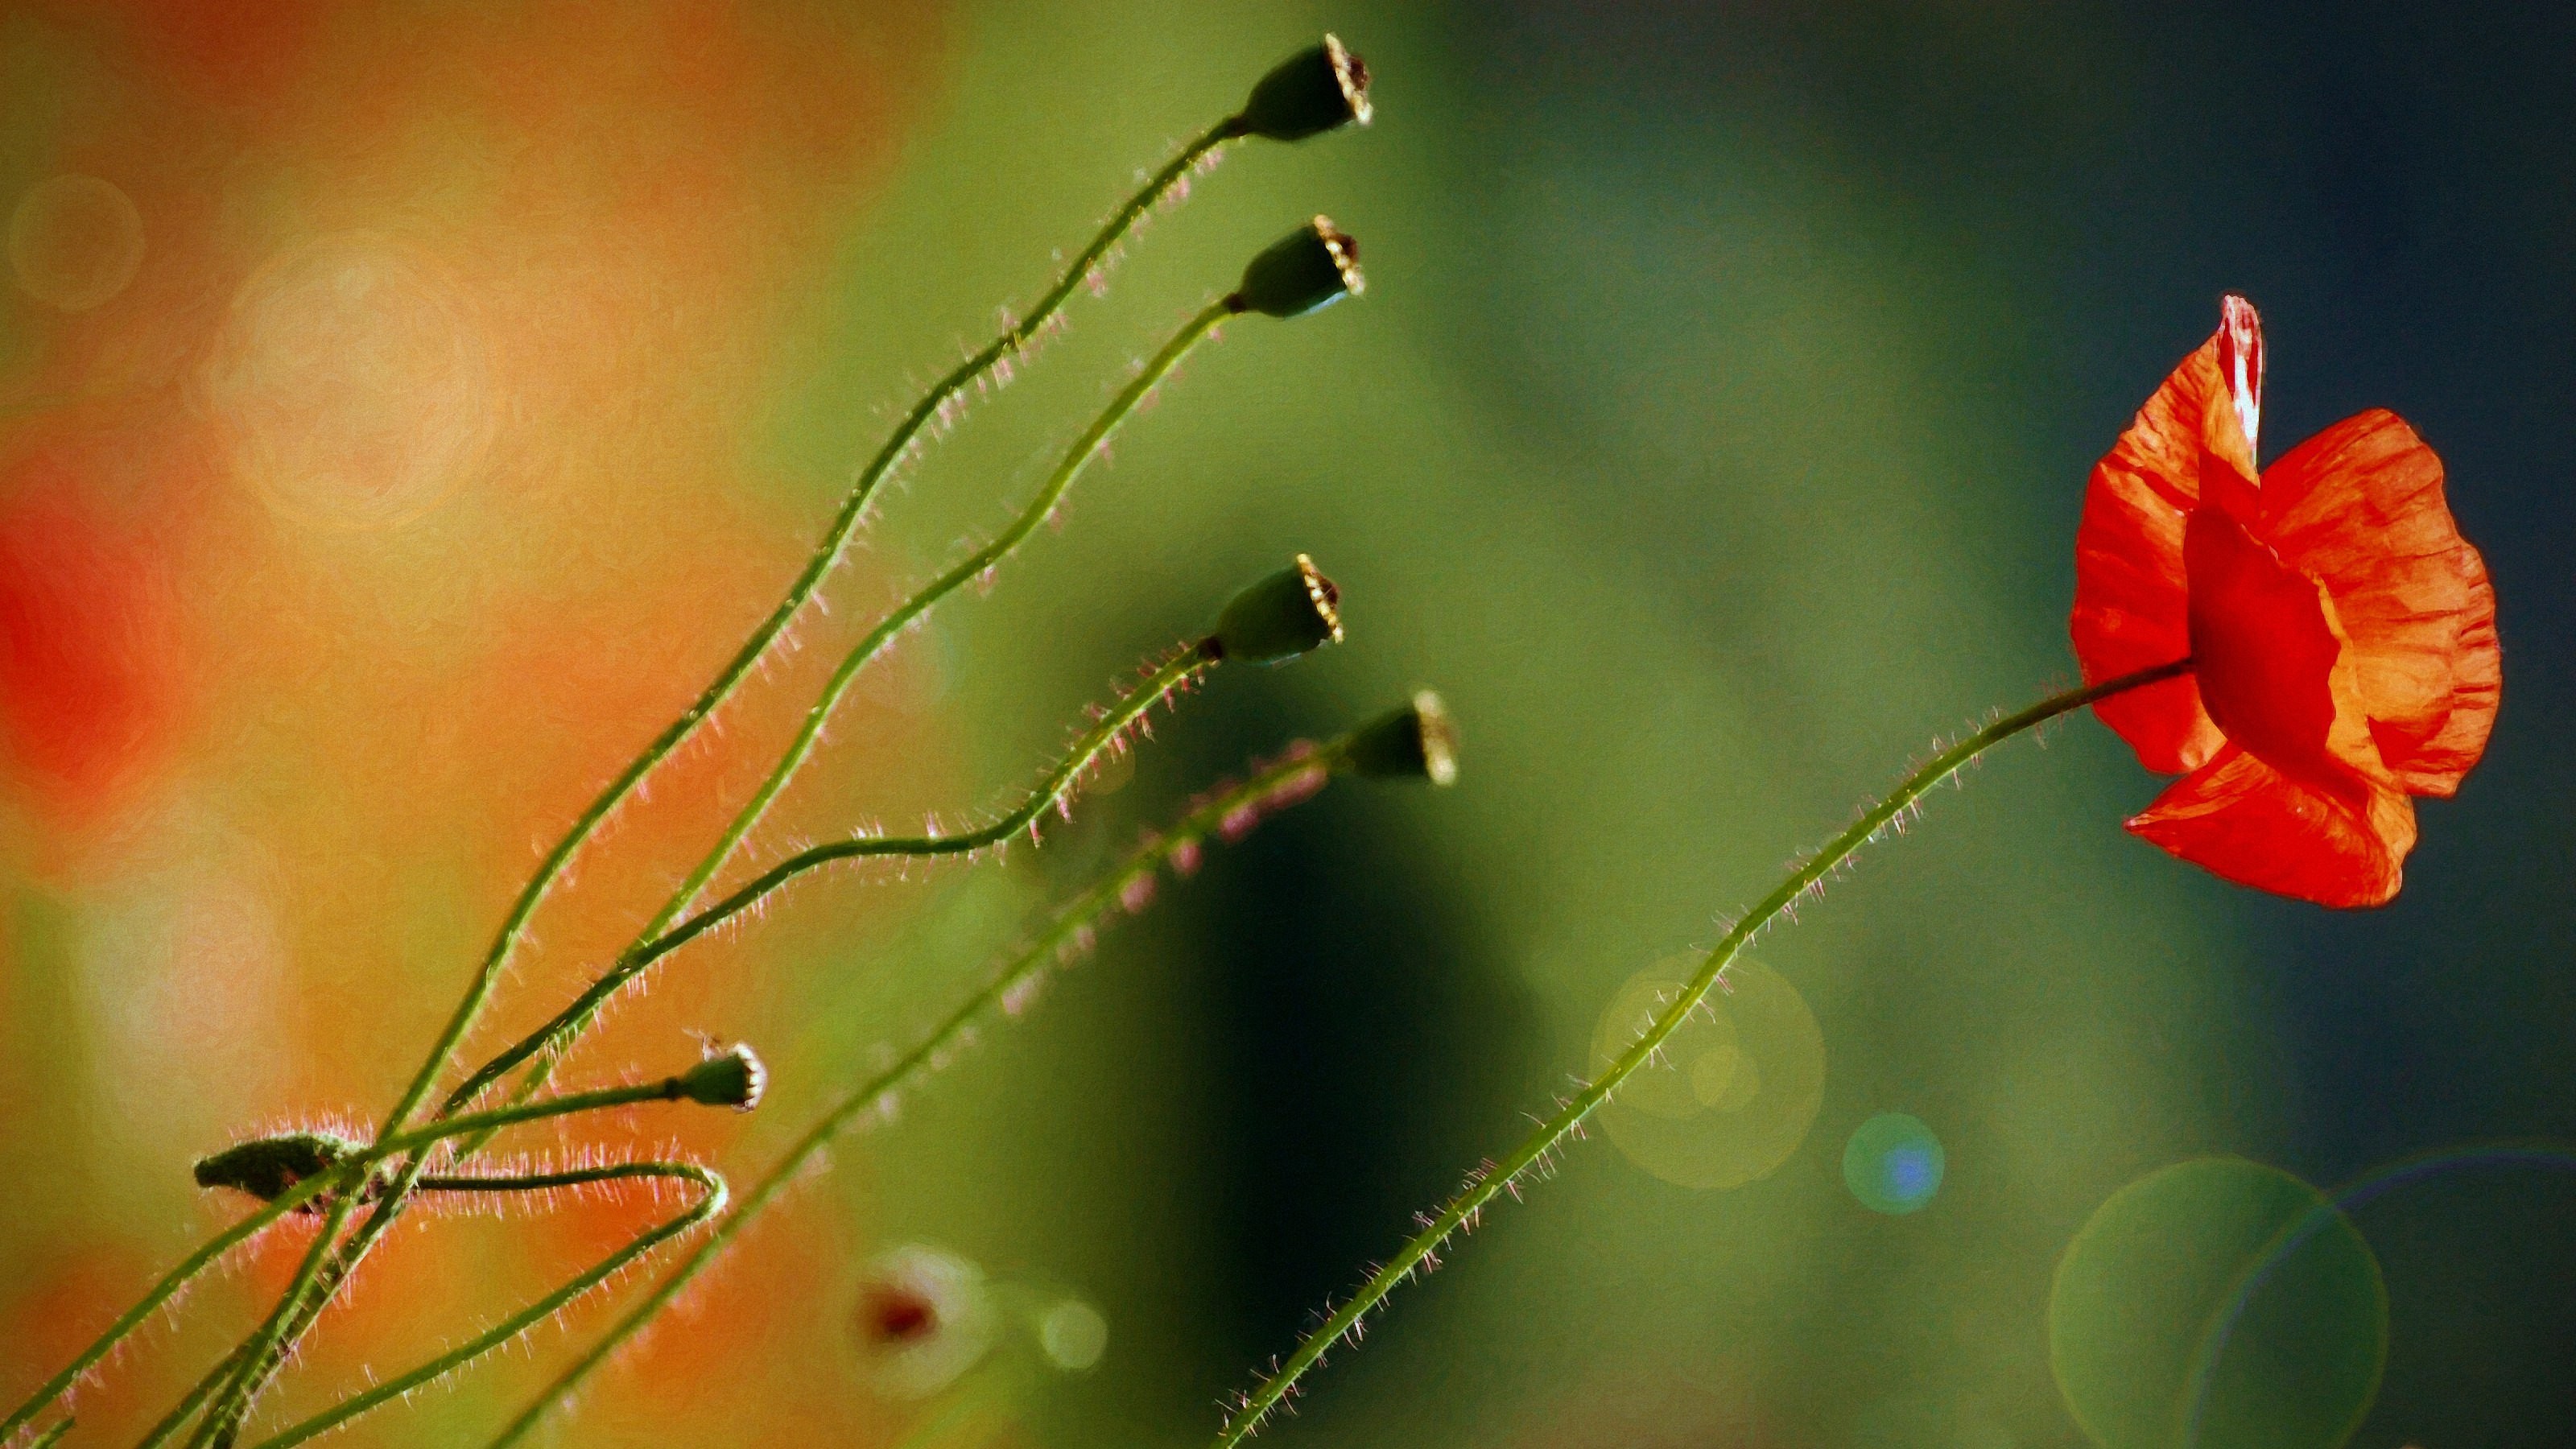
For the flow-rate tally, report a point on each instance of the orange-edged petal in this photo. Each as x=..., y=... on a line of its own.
x=2360, y=507
x=2244, y=821
x=2132, y=607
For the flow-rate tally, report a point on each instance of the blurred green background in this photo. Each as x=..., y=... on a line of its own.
x=1712, y=434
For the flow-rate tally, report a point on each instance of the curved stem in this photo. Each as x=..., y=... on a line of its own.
x=1294, y=777
x=268, y=1343
x=1165, y=681
x=1483, y=1186
x=296, y=1197
x=710, y=1202
x=161, y=1293
x=900, y=443
x=295, y=1309
x=547, y=1043
x=1012, y=342
x=1076, y=458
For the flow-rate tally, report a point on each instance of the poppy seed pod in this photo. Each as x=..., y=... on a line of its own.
x=1417, y=742
x=1312, y=267
x=733, y=1079
x=265, y=1167
x=1292, y=612
x=1309, y=93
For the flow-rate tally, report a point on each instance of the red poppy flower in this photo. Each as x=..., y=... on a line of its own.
x=2341, y=632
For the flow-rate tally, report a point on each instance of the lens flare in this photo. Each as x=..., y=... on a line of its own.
x=1735, y=1089
x=74, y=242
x=2218, y=1303
x=1073, y=1335
x=1893, y=1164
x=353, y=383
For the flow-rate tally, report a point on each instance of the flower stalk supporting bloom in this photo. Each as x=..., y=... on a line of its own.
x=1486, y=1183
x=1293, y=778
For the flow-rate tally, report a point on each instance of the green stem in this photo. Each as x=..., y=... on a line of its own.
x=302, y=1193
x=710, y=1202
x=548, y=1042
x=1012, y=343
x=161, y=1293
x=295, y=1309
x=1164, y=682
x=1483, y=1186
x=1020, y=971
x=267, y=1345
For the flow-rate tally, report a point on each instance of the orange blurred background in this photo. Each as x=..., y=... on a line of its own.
x=349, y=539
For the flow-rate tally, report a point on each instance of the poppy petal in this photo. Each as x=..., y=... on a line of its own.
x=2244, y=821
x=2360, y=507
x=2132, y=606
x=2263, y=650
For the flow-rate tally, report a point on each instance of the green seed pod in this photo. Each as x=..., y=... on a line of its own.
x=1292, y=612
x=266, y=1167
x=1309, y=93
x=1312, y=267
x=734, y=1078
x=1417, y=742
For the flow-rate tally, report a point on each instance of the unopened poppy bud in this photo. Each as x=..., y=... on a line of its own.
x=1417, y=742
x=1311, y=92
x=266, y=1167
x=1292, y=612
x=1312, y=267
x=734, y=1078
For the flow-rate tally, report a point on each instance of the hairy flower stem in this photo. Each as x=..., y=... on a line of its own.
x=267, y=1348
x=350, y=1173
x=1294, y=775
x=546, y=1045
x=1420, y=1252
x=1167, y=680
x=287, y=1325
x=1010, y=343
x=711, y=1200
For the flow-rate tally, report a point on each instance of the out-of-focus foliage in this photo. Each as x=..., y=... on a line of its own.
x=1711, y=434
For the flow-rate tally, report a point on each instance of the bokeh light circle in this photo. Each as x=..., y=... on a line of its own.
x=74, y=242
x=1073, y=1335
x=1893, y=1164
x=353, y=383
x=2218, y=1304
x=1737, y=1086
x=924, y=1317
